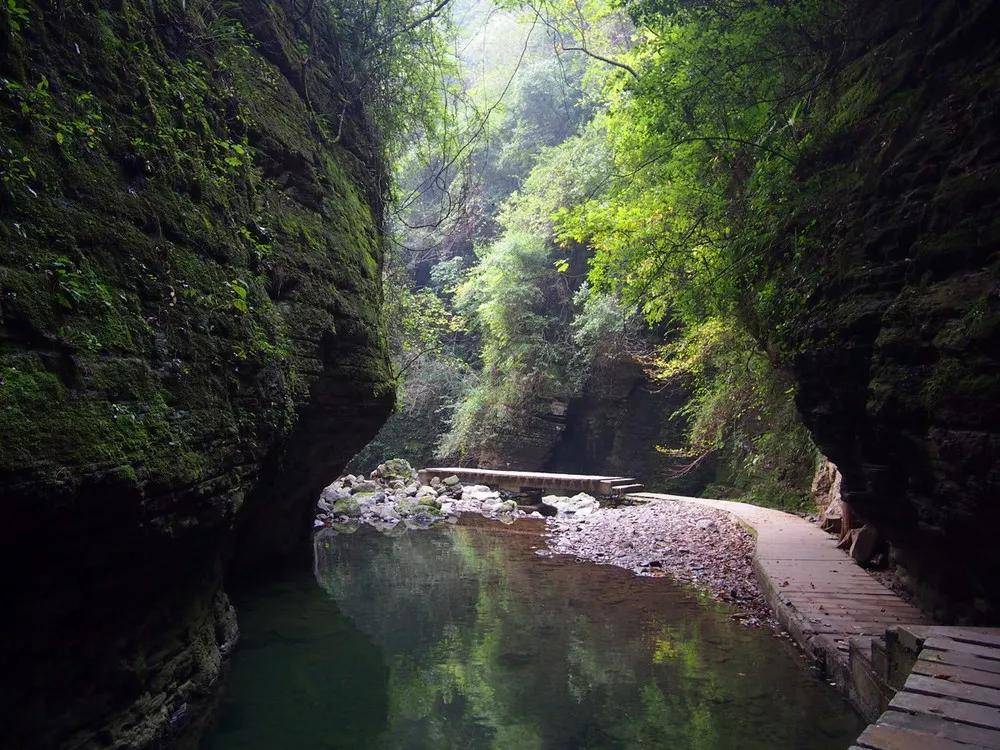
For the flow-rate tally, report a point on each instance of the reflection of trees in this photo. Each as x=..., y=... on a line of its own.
x=489, y=646
x=301, y=671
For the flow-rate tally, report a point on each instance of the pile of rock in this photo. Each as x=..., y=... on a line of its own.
x=577, y=506
x=392, y=498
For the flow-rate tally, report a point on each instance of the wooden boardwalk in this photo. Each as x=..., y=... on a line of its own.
x=518, y=481
x=951, y=698
x=924, y=687
x=819, y=594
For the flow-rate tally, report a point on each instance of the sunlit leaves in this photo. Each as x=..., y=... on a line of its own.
x=703, y=145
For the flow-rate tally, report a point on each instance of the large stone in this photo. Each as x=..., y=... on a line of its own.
x=396, y=468
x=492, y=505
x=408, y=507
x=429, y=501
x=349, y=506
x=864, y=542
x=334, y=492
x=385, y=511
x=580, y=504
x=832, y=519
x=826, y=483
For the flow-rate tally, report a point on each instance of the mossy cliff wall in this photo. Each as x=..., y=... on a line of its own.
x=626, y=424
x=190, y=338
x=893, y=334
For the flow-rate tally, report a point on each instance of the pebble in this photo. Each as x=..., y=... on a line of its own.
x=692, y=544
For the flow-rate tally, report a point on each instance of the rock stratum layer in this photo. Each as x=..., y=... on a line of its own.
x=190, y=339
x=894, y=335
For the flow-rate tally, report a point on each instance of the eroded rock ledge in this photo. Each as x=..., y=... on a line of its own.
x=190, y=340
x=894, y=327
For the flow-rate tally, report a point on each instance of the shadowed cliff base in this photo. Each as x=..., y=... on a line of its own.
x=191, y=339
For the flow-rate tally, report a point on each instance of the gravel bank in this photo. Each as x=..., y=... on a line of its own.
x=698, y=546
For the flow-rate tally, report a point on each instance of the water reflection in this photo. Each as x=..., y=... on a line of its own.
x=464, y=638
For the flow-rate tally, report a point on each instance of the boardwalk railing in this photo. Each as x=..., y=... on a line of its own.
x=524, y=481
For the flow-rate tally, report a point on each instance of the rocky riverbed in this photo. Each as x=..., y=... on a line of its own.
x=699, y=546
x=391, y=499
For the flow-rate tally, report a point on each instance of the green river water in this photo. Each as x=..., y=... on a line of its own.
x=463, y=637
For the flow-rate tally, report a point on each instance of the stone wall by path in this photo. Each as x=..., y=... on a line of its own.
x=190, y=340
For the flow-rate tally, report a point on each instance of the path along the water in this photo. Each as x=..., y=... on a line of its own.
x=819, y=594
x=924, y=687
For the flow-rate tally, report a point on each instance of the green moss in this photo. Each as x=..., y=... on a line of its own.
x=348, y=506
x=854, y=102
x=49, y=426
x=180, y=288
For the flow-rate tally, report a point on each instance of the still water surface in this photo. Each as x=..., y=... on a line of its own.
x=461, y=637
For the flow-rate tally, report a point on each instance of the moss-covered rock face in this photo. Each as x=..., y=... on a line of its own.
x=895, y=341
x=190, y=335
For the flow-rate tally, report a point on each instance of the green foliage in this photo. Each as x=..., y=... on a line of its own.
x=238, y=292
x=602, y=331
x=446, y=276
x=76, y=286
x=17, y=15
x=403, y=66
x=742, y=410
x=703, y=141
x=704, y=138
x=71, y=124
x=523, y=348
x=519, y=298
x=426, y=401
x=662, y=154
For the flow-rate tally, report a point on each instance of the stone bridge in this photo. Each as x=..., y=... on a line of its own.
x=526, y=481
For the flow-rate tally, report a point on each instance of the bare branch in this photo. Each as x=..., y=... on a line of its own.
x=602, y=58
x=430, y=15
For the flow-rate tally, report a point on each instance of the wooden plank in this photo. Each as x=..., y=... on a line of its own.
x=814, y=587
x=918, y=683
x=978, y=636
x=867, y=601
x=946, y=708
x=888, y=613
x=968, y=675
x=975, y=736
x=960, y=659
x=870, y=603
x=946, y=644
x=891, y=595
x=882, y=737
